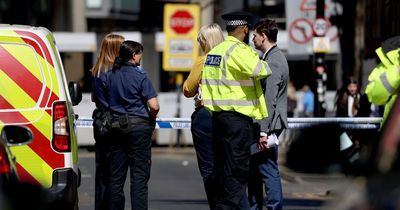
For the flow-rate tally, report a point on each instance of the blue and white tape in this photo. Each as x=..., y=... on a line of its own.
x=173, y=123
x=164, y=123
x=185, y=123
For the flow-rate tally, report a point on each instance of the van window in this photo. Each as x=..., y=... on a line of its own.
x=22, y=79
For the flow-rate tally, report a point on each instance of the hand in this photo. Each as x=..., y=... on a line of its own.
x=262, y=143
x=153, y=123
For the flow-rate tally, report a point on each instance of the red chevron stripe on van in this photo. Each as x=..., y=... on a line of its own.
x=21, y=75
x=40, y=49
x=25, y=176
x=41, y=145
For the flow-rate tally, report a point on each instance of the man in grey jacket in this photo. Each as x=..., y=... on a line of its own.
x=263, y=165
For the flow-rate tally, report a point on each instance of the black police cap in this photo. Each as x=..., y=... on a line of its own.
x=237, y=18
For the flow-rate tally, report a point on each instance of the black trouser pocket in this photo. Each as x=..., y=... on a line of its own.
x=101, y=122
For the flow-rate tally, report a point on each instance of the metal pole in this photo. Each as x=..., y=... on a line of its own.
x=179, y=81
x=320, y=69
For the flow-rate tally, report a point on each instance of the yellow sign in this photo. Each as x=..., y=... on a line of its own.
x=321, y=44
x=181, y=25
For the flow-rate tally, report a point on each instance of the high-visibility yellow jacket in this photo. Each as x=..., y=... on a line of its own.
x=231, y=79
x=384, y=80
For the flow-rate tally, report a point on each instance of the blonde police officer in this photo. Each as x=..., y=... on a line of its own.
x=384, y=80
x=231, y=90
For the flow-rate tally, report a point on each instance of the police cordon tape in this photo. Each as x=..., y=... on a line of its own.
x=295, y=123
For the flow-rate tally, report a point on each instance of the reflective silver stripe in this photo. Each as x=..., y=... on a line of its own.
x=243, y=83
x=226, y=57
x=386, y=83
x=269, y=71
x=258, y=68
x=220, y=103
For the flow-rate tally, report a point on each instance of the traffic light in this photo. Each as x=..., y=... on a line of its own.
x=319, y=63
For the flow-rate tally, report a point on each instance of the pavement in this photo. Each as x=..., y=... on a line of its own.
x=300, y=190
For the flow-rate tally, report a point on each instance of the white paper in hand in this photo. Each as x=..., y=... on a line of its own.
x=272, y=141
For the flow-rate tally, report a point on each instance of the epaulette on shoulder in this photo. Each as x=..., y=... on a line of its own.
x=140, y=70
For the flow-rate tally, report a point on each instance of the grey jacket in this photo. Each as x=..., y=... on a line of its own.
x=275, y=92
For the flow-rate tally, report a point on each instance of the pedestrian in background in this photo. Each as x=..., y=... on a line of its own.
x=134, y=107
x=264, y=169
x=231, y=90
x=350, y=102
x=308, y=101
x=108, y=52
x=208, y=37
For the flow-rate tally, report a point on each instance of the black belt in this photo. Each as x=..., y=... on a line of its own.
x=234, y=113
x=123, y=121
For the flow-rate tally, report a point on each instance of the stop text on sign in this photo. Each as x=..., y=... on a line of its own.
x=182, y=22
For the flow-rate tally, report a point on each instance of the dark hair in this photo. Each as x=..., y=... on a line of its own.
x=230, y=28
x=126, y=51
x=350, y=80
x=268, y=27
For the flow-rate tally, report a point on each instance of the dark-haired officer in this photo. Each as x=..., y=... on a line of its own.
x=231, y=90
x=134, y=107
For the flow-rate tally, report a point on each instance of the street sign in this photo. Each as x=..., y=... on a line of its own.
x=301, y=16
x=300, y=31
x=182, y=22
x=321, y=44
x=321, y=26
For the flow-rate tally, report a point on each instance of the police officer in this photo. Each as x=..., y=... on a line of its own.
x=108, y=52
x=231, y=90
x=384, y=80
x=134, y=107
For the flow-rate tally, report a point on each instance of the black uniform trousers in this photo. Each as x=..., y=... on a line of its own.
x=102, y=172
x=233, y=134
x=102, y=164
x=130, y=148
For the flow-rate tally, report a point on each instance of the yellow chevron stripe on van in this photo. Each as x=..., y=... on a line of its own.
x=11, y=36
x=37, y=167
x=32, y=66
x=18, y=97
x=24, y=100
x=43, y=124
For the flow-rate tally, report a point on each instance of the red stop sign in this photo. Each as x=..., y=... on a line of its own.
x=181, y=22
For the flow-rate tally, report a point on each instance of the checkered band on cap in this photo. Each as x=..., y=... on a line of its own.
x=236, y=22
